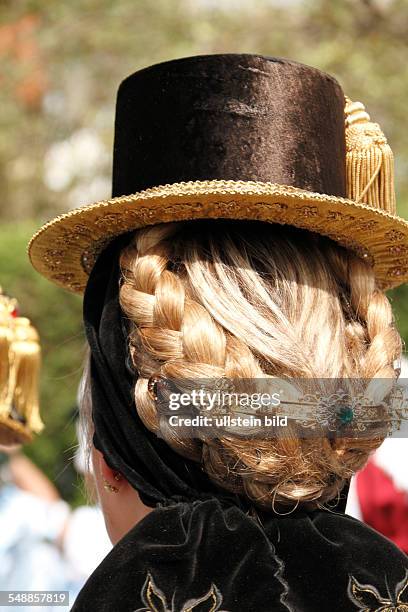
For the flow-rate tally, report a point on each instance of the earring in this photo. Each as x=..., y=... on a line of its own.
x=108, y=487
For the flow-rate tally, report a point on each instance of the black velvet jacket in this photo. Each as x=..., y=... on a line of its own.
x=205, y=557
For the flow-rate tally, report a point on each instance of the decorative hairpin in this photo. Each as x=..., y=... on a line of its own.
x=152, y=386
x=340, y=410
x=345, y=410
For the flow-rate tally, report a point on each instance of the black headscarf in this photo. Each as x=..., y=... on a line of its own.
x=201, y=548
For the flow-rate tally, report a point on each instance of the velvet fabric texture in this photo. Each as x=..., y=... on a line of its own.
x=204, y=557
x=202, y=548
x=230, y=117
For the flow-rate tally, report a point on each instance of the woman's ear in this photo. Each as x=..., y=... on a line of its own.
x=112, y=480
x=120, y=502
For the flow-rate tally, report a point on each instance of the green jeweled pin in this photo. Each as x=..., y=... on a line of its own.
x=346, y=415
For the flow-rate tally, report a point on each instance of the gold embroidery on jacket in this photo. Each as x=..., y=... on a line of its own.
x=155, y=600
x=368, y=599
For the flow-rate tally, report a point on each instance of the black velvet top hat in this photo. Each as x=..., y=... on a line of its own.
x=241, y=137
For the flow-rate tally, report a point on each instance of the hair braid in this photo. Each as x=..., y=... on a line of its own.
x=214, y=299
x=175, y=331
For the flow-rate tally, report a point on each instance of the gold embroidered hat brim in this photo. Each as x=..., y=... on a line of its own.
x=65, y=249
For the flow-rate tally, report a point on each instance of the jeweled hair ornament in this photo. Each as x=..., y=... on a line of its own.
x=340, y=411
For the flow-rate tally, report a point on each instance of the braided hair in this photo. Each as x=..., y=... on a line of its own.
x=254, y=300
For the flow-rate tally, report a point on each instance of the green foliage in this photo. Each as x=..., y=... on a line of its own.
x=399, y=302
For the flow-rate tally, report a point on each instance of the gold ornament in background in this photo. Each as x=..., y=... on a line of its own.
x=20, y=358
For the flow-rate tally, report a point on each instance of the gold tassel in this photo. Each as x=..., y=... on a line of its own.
x=369, y=160
x=20, y=357
x=25, y=360
x=5, y=339
x=6, y=309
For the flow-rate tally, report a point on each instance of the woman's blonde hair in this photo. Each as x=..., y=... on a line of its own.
x=211, y=299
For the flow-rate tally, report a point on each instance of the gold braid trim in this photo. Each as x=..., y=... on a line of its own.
x=369, y=160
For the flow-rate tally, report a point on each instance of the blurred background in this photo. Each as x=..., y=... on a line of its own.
x=61, y=64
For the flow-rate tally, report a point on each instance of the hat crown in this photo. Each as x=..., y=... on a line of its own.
x=230, y=117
